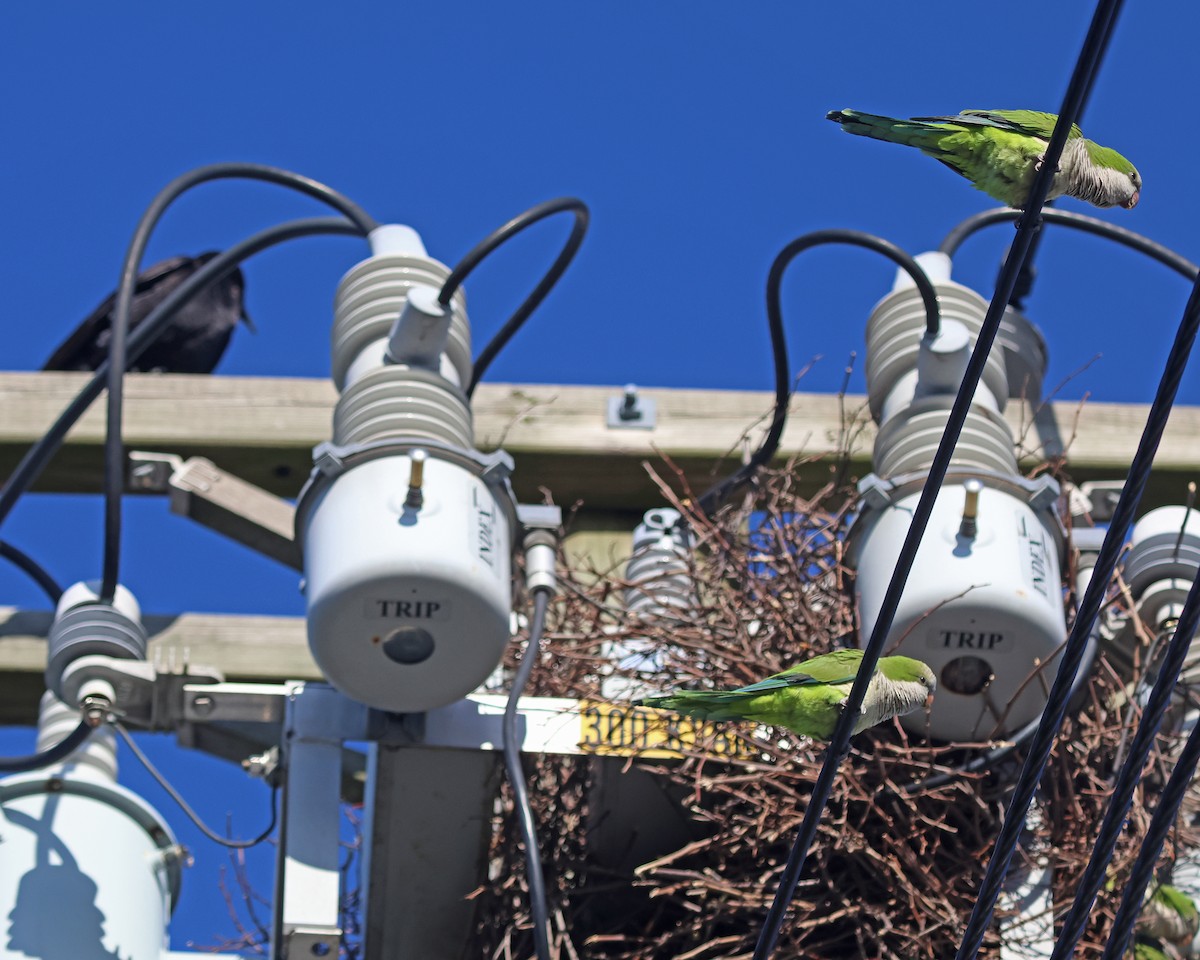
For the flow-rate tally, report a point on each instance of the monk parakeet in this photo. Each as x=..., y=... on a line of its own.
x=1146, y=950
x=809, y=697
x=1169, y=914
x=1000, y=151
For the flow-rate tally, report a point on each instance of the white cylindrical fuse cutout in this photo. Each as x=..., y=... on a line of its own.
x=408, y=597
x=984, y=609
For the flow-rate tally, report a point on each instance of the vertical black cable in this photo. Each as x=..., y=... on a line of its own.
x=538, y=903
x=1027, y=227
x=1024, y=284
x=1121, y=800
x=114, y=449
x=1156, y=834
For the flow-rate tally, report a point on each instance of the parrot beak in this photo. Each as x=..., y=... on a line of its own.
x=1132, y=201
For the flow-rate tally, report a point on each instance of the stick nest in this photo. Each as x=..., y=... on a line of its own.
x=689, y=867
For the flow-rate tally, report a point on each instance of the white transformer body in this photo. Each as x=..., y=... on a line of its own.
x=408, y=605
x=984, y=611
x=88, y=868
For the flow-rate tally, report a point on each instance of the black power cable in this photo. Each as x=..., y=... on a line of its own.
x=713, y=498
x=1161, y=824
x=42, y=452
x=516, y=779
x=191, y=814
x=114, y=450
x=49, y=756
x=1077, y=221
x=1027, y=227
x=1121, y=798
x=493, y=240
x=34, y=570
x=1024, y=284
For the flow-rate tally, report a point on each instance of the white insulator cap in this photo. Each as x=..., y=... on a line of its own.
x=395, y=238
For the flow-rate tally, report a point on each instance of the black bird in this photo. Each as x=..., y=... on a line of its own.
x=192, y=342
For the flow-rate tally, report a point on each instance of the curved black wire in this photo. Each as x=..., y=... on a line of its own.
x=1121, y=798
x=1161, y=824
x=175, y=795
x=114, y=450
x=545, y=285
x=713, y=497
x=41, y=453
x=34, y=570
x=1077, y=221
x=516, y=778
x=49, y=756
x=1027, y=227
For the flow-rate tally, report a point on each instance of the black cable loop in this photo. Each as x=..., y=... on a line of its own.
x=711, y=499
x=1077, y=221
x=1121, y=799
x=1026, y=229
x=41, y=453
x=50, y=756
x=34, y=570
x=493, y=240
x=114, y=449
x=538, y=903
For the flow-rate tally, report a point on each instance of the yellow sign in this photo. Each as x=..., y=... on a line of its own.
x=623, y=730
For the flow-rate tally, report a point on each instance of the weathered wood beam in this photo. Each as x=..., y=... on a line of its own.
x=263, y=430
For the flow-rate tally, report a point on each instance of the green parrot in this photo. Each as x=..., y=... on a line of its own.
x=1146, y=950
x=809, y=697
x=1169, y=914
x=1000, y=151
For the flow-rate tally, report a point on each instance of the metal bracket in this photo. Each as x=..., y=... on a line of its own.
x=202, y=491
x=631, y=411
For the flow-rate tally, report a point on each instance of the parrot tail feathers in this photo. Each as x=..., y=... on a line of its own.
x=701, y=704
x=912, y=133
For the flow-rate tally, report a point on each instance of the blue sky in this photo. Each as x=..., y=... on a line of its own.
x=694, y=131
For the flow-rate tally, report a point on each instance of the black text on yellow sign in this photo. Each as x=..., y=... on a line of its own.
x=622, y=730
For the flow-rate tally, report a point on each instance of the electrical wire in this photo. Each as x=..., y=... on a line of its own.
x=1025, y=279
x=493, y=240
x=1161, y=824
x=1121, y=797
x=174, y=794
x=713, y=498
x=41, y=453
x=839, y=745
x=52, y=755
x=114, y=450
x=516, y=779
x=34, y=570
x=1077, y=221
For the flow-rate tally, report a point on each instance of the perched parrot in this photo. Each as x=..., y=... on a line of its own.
x=1146, y=950
x=1000, y=151
x=1169, y=914
x=809, y=697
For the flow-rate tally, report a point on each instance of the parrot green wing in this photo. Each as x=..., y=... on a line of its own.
x=1030, y=123
x=838, y=667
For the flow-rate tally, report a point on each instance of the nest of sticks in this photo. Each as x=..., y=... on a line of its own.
x=897, y=861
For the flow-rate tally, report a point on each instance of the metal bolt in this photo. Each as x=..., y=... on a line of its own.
x=629, y=405
x=203, y=704
x=95, y=710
